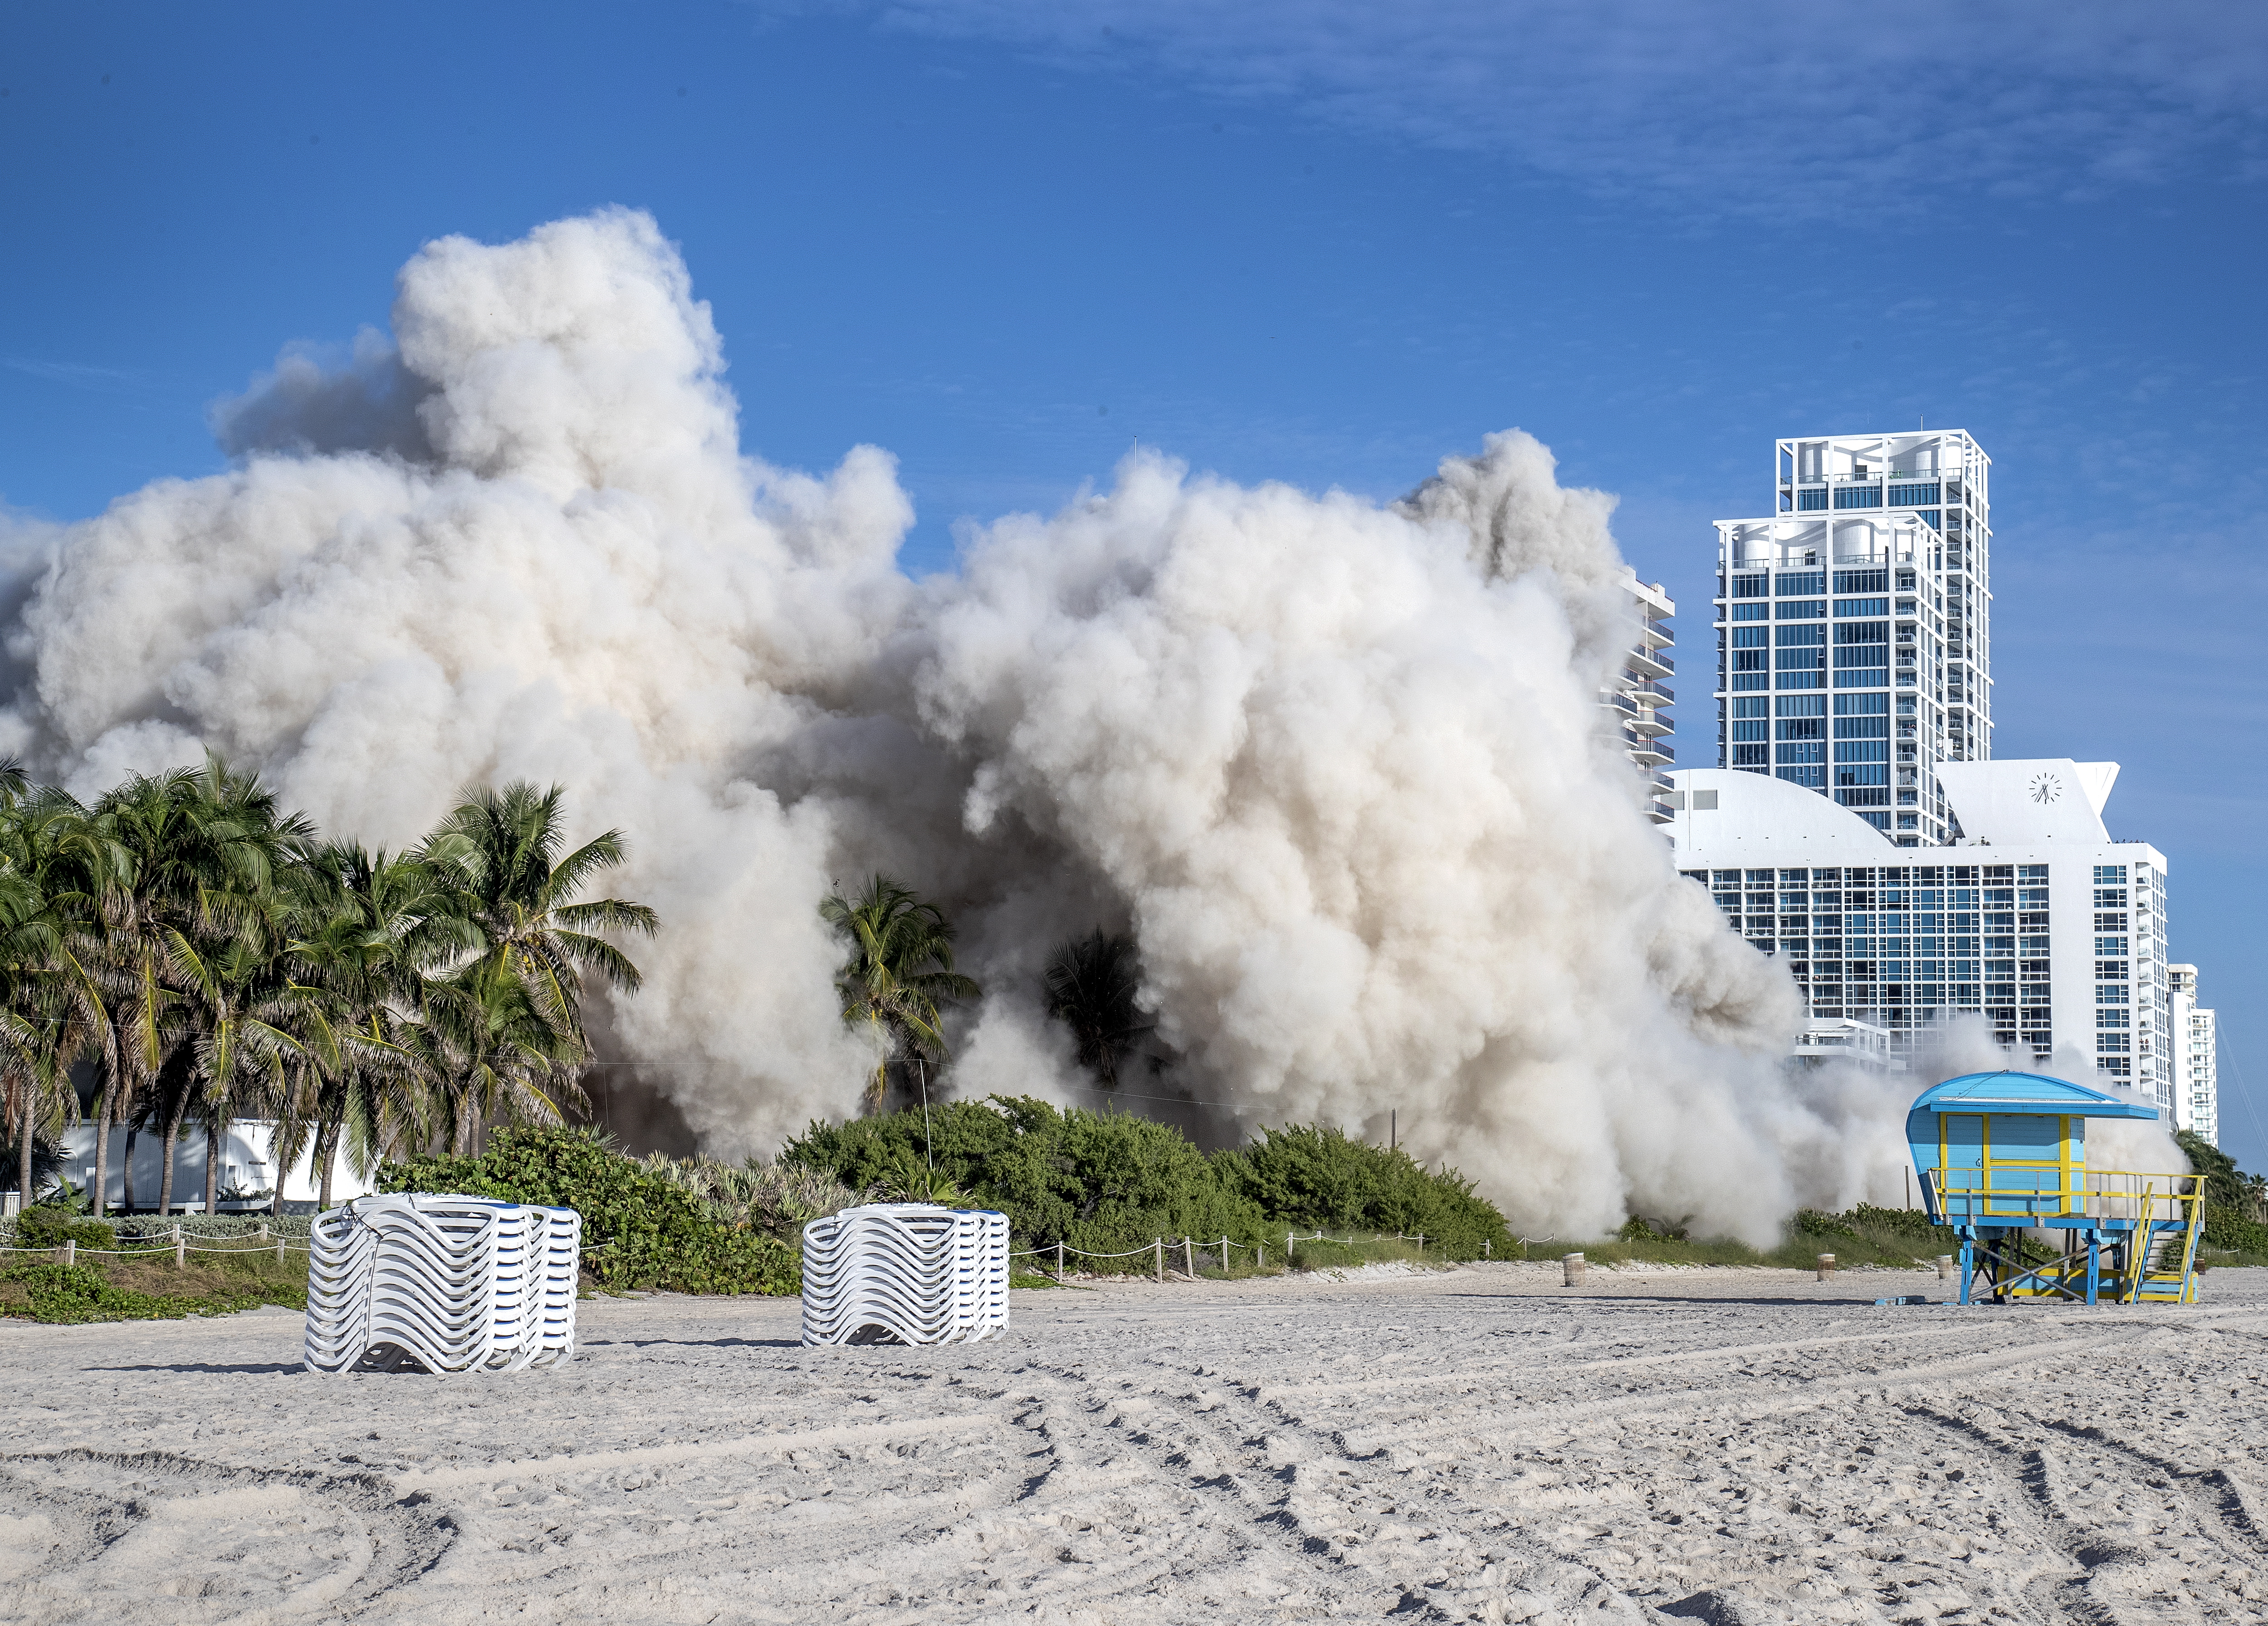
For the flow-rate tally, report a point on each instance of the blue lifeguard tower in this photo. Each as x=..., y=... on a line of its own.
x=2001, y=1154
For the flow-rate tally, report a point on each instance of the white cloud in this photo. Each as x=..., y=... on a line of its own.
x=1780, y=108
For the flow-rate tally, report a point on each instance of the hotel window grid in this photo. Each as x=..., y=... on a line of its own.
x=1896, y=944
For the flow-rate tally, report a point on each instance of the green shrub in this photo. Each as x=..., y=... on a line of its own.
x=2228, y=1230
x=1313, y=1178
x=1102, y=1182
x=48, y=1226
x=639, y=1229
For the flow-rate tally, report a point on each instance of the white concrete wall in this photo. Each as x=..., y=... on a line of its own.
x=244, y=1163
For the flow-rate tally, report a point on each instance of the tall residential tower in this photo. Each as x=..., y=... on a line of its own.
x=1854, y=625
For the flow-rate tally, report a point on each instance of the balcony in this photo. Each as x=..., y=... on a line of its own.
x=1651, y=662
x=1649, y=753
x=1650, y=725
x=1620, y=703
x=1646, y=689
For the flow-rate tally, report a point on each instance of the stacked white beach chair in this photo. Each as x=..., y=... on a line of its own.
x=455, y=1285
x=910, y=1272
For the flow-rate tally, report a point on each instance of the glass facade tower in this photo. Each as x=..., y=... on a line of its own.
x=1854, y=625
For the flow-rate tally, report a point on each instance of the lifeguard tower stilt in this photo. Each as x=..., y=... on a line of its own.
x=2001, y=1154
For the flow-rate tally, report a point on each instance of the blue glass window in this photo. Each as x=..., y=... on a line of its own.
x=1810, y=776
x=1811, y=497
x=1751, y=612
x=1865, y=582
x=1801, y=750
x=1750, y=636
x=1805, y=608
x=1862, y=705
x=1914, y=496
x=1749, y=587
x=1860, y=773
x=1858, y=497
x=1862, y=607
x=1752, y=708
x=1751, y=755
x=1801, y=706
x=1754, y=730
x=1862, y=751
x=1799, y=582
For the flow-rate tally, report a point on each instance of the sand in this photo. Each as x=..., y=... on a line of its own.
x=1479, y=1443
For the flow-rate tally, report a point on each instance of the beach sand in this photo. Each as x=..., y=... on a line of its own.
x=1477, y=1443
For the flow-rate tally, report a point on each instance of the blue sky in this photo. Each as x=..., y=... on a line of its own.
x=1322, y=243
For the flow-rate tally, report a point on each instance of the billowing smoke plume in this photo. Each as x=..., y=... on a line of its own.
x=1337, y=767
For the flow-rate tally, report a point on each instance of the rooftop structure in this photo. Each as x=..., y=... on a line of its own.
x=1853, y=630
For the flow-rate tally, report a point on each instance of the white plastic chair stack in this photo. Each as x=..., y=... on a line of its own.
x=456, y=1284
x=908, y=1271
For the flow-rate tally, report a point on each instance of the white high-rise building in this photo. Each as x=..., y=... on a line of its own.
x=2038, y=922
x=2197, y=1063
x=1637, y=700
x=1854, y=625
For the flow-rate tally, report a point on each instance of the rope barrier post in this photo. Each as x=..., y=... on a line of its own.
x=279, y=1248
x=67, y=1255
x=1160, y=1245
x=1188, y=1256
x=1484, y=1248
x=180, y=1249
x=263, y=1230
x=1288, y=1260
x=1260, y=1256
x=1224, y=1256
x=1421, y=1245
x=1059, y=1261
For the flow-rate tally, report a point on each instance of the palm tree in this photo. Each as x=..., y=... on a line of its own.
x=373, y=926
x=1090, y=986
x=899, y=972
x=51, y=1006
x=510, y=1017
x=188, y=852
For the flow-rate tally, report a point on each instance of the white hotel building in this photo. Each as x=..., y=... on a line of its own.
x=2038, y=922
x=1863, y=598
x=1856, y=827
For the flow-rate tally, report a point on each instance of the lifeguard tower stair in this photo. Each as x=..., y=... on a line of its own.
x=2002, y=1158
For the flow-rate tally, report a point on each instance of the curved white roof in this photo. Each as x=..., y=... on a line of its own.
x=1761, y=819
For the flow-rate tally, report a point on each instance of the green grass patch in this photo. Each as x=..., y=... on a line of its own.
x=142, y=1286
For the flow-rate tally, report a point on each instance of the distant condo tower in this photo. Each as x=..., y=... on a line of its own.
x=1854, y=625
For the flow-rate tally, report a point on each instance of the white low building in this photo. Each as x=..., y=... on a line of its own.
x=246, y=1183
x=2036, y=921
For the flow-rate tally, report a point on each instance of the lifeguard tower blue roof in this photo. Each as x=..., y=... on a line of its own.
x=2025, y=1093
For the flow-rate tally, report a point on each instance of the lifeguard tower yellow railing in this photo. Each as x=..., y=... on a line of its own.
x=2152, y=1224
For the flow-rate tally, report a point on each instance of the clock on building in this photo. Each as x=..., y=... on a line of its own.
x=2046, y=788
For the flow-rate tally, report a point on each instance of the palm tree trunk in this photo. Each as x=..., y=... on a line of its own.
x=173, y=1140
x=100, y=1185
x=212, y=1168
x=327, y=1153
x=23, y=1144
x=126, y=1173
